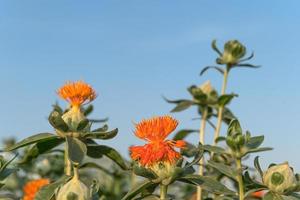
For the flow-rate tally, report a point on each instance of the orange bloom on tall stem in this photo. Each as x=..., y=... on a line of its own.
x=158, y=149
x=77, y=93
x=32, y=187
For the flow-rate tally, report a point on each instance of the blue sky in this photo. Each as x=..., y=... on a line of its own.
x=133, y=52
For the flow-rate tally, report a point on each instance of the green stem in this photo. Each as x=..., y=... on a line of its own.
x=68, y=166
x=221, y=108
x=240, y=178
x=202, y=140
x=163, y=192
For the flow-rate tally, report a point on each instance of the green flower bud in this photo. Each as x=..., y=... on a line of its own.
x=206, y=88
x=279, y=178
x=74, y=188
x=73, y=117
x=233, y=52
x=163, y=170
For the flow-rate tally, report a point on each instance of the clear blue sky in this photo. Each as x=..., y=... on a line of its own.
x=133, y=52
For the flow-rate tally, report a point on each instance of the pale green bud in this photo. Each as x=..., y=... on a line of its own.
x=73, y=117
x=279, y=178
x=74, y=188
x=206, y=87
x=233, y=52
x=163, y=169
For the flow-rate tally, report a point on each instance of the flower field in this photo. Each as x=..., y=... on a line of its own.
x=72, y=163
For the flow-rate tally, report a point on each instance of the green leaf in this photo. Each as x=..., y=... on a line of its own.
x=247, y=65
x=108, y=152
x=55, y=119
x=272, y=196
x=219, y=69
x=214, y=149
x=32, y=139
x=88, y=110
x=197, y=157
x=6, y=172
x=207, y=183
x=183, y=133
x=47, y=192
x=224, y=169
x=76, y=150
x=258, y=150
x=102, y=135
x=183, y=105
x=101, y=129
x=141, y=171
x=225, y=99
x=228, y=116
x=257, y=166
x=41, y=147
x=255, y=142
x=82, y=124
x=137, y=190
x=215, y=48
x=234, y=127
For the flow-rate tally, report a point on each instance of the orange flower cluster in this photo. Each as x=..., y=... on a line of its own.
x=77, y=93
x=158, y=149
x=32, y=187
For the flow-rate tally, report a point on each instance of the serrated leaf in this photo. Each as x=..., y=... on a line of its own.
x=76, y=150
x=108, y=152
x=31, y=140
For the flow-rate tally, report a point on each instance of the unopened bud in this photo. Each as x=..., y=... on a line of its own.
x=74, y=189
x=279, y=178
x=233, y=52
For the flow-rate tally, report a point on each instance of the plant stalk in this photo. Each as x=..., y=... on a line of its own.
x=202, y=140
x=240, y=179
x=68, y=166
x=163, y=192
x=221, y=108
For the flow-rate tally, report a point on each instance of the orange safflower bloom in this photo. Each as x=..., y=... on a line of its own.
x=158, y=149
x=77, y=93
x=258, y=194
x=32, y=187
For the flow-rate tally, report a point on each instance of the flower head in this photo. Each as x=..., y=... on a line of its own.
x=32, y=187
x=279, y=178
x=77, y=93
x=74, y=188
x=158, y=149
